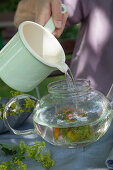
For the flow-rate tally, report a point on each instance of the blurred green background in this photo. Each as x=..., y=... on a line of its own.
x=69, y=33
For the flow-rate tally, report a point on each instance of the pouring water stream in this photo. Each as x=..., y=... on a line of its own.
x=63, y=67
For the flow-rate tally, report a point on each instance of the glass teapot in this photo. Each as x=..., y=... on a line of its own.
x=68, y=117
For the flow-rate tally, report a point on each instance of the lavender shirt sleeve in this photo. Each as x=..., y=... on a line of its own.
x=93, y=54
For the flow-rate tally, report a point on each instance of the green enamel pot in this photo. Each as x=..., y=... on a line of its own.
x=31, y=55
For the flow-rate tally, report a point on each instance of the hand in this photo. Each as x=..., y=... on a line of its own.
x=47, y=8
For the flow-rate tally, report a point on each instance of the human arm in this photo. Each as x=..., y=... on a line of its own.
x=40, y=10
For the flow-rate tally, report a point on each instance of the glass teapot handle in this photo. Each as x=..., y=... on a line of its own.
x=19, y=103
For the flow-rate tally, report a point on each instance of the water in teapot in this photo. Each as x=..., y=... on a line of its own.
x=61, y=124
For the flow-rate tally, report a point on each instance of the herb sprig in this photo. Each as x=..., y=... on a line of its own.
x=22, y=151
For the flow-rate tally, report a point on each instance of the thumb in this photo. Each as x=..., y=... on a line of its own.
x=56, y=13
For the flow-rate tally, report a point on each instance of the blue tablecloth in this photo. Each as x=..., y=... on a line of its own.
x=91, y=157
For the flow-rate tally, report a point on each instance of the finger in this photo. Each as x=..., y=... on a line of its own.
x=43, y=14
x=65, y=16
x=56, y=13
x=58, y=32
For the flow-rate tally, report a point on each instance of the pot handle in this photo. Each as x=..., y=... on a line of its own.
x=18, y=105
x=50, y=24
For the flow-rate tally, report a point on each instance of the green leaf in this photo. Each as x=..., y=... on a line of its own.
x=10, y=149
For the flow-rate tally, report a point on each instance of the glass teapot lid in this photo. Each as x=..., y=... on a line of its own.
x=65, y=107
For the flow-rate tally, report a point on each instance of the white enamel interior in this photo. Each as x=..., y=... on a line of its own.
x=41, y=43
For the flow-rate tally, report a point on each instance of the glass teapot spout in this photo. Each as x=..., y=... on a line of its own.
x=110, y=95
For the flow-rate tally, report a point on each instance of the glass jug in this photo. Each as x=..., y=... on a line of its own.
x=69, y=117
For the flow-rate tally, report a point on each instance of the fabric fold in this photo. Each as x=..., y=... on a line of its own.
x=109, y=160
